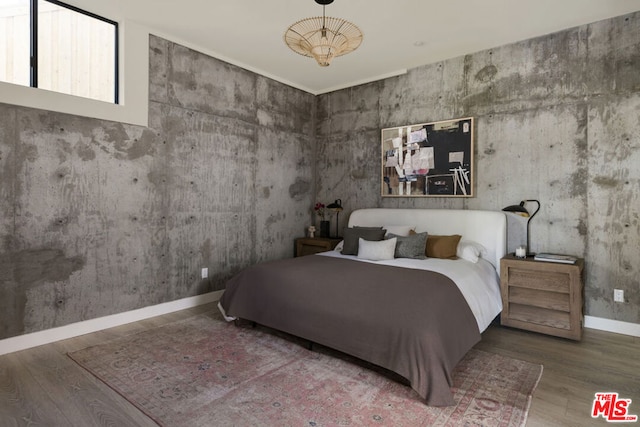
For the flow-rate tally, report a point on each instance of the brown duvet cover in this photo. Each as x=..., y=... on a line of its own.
x=413, y=322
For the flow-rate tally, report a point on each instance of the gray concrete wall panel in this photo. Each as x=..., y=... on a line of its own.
x=614, y=206
x=557, y=119
x=101, y=217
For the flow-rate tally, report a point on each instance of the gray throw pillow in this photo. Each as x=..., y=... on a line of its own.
x=412, y=246
x=352, y=234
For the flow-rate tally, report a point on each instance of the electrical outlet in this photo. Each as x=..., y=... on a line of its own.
x=205, y=273
x=618, y=295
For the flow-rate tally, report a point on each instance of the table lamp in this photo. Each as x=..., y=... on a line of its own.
x=520, y=209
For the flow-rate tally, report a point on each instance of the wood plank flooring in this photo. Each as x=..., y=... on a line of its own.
x=43, y=387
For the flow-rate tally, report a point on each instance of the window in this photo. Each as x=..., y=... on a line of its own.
x=57, y=47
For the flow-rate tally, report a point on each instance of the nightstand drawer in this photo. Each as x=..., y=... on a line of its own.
x=543, y=280
x=313, y=245
x=537, y=298
x=539, y=316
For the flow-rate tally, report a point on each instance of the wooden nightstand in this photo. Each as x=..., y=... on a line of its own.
x=313, y=245
x=544, y=297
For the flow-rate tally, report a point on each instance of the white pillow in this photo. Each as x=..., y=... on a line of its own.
x=471, y=251
x=376, y=251
x=399, y=230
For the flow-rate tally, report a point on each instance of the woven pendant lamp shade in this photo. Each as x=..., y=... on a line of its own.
x=323, y=38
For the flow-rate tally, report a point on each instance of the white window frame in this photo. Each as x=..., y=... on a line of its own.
x=133, y=68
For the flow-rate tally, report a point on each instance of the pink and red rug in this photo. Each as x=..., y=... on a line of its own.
x=205, y=372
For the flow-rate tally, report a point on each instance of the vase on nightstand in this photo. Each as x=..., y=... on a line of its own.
x=324, y=228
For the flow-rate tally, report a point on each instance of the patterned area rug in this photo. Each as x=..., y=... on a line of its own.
x=206, y=372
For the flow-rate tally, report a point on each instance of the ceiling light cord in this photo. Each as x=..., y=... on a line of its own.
x=324, y=26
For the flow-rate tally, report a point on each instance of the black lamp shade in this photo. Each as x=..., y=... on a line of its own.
x=336, y=206
x=516, y=209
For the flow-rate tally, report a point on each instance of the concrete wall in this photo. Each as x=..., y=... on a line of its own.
x=557, y=119
x=101, y=217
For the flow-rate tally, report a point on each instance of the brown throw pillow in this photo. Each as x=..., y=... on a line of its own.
x=442, y=246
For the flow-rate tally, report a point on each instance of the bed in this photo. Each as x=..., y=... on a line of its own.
x=416, y=317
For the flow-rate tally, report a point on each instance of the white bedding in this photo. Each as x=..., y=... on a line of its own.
x=478, y=282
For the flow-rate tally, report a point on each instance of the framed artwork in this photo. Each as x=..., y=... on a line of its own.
x=428, y=159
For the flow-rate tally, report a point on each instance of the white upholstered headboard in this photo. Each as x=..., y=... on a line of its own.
x=488, y=228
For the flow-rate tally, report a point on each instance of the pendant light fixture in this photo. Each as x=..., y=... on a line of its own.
x=323, y=38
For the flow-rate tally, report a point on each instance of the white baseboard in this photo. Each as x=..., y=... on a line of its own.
x=625, y=328
x=22, y=342
x=47, y=336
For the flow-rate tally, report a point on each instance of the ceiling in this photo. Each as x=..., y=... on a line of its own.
x=398, y=35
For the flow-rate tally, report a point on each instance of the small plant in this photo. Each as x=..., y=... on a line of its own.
x=320, y=210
